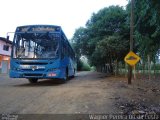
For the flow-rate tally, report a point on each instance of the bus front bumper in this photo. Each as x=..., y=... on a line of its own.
x=40, y=75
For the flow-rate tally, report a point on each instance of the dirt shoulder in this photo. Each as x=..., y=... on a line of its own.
x=142, y=97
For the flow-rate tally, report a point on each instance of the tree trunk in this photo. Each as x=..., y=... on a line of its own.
x=111, y=68
x=138, y=71
x=143, y=67
x=154, y=67
x=134, y=73
x=101, y=68
x=111, y=65
x=116, y=67
x=126, y=70
x=149, y=67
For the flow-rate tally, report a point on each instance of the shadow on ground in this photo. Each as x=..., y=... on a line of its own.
x=44, y=82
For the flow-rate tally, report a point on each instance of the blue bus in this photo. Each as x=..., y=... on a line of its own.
x=41, y=52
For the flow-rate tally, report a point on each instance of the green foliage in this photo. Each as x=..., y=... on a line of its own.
x=79, y=40
x=105, y=38
x=102, y=39
x=83, y=66
x=153, y=67
x=93, y=68
x=147, y=23
x=79, y=65
x=156, y=67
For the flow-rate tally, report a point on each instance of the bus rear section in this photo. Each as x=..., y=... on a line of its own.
x=37, y=54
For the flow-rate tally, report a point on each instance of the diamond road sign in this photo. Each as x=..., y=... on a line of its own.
x=131, y=58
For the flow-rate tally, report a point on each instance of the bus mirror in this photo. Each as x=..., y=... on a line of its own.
x=7, y=38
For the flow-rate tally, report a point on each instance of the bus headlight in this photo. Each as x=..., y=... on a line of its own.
x=14, y=68
x=18, y=69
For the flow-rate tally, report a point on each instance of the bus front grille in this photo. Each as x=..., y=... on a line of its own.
x=29, y=70
x=32, y=63
x=33, y=75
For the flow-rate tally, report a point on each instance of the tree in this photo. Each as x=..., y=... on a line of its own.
x=147, y=29
x=105, y=37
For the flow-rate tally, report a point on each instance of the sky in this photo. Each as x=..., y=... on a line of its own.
x=69, y=14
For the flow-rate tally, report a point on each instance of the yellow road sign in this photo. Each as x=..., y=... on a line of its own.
x=131, y=58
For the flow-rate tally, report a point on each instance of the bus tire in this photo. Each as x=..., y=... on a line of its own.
x=67, y=77
x=73, y=74
x=33, y=80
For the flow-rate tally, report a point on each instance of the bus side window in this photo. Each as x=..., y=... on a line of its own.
x=62, y=51
x=69, y=52
x=65, y=50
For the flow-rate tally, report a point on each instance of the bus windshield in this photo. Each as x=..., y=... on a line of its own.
x=36, y=45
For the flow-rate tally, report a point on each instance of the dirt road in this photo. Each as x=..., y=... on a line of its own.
x=88, y=92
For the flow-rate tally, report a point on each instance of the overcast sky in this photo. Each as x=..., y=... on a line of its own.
x=69, y=14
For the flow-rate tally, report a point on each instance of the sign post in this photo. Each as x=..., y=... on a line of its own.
x=131, y=41
x=131, y=59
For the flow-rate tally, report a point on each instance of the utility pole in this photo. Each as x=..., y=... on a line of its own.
x=131, y=40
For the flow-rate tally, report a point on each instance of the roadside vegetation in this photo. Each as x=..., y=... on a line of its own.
x=105, y=38
x=83, y=66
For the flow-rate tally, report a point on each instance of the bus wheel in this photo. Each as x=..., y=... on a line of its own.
x=33, y=80
x=67, y=77
x=73, y=74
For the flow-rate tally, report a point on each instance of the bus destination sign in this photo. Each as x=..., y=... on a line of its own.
x=38, y=29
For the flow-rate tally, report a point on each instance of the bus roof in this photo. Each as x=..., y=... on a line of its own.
x=40, y=25
x=39, y=28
